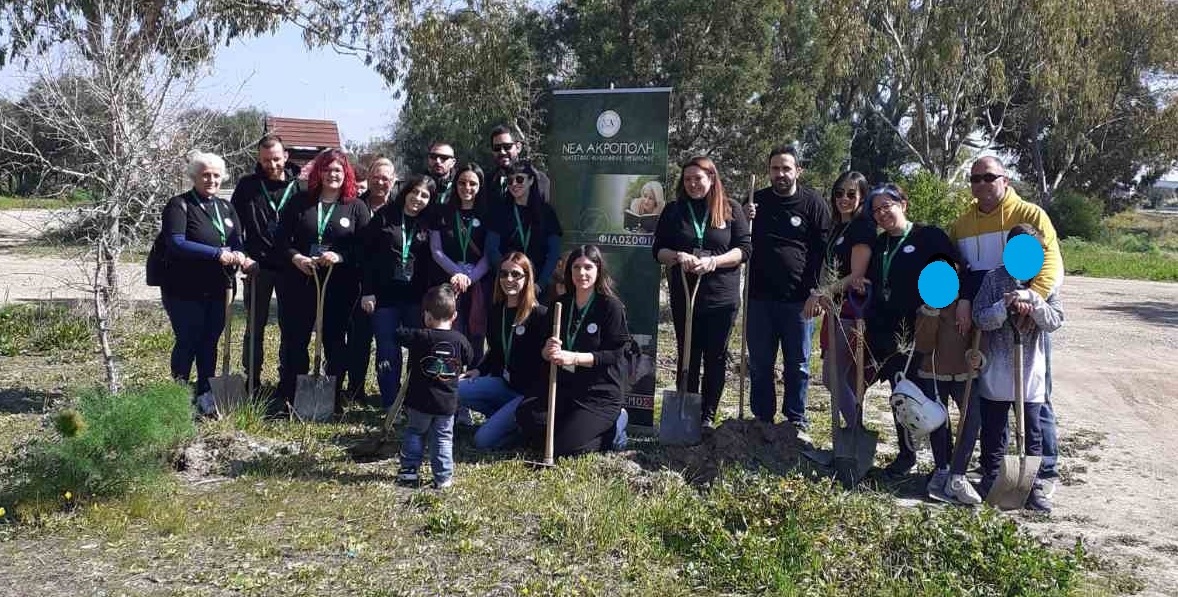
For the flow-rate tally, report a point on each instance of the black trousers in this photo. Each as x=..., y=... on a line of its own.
x=263, y=282
x=709, y=352
x=297, y=322
x=359, y=349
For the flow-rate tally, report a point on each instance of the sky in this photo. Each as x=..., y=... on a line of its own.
x=280, y=76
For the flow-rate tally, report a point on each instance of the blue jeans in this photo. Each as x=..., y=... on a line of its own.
x=440, y=429
x=196, y=325
x=385, y=322
x=772, y=324
x=1047, y=421
x=492, y=397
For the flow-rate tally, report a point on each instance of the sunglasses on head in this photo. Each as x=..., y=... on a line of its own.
x=839, y=194
x=441, y=157
x=503, y=147
x=986, y=178
x=518, y=179
x=510, y=274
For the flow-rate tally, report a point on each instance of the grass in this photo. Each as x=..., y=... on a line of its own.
x=11, y=202
x=1134, y=246
x=42, y=328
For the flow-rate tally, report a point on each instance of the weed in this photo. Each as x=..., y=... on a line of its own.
x=43, y=328
x=1092, y=259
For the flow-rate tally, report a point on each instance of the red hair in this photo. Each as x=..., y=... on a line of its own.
x=717, y=199
x=319, y=165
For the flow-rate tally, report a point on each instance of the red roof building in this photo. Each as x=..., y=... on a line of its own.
x=304, y=138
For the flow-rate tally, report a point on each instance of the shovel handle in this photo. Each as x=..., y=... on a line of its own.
x=964, y=414
x=744, y=313
x=227, y=330
x=1019, y=413
x=253, y=279
x=550, y=423
x=320, y=294
x=688, y=316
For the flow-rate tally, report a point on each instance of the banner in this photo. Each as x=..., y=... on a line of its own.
x=607, y=158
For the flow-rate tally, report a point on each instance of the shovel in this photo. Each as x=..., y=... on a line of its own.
x=550, y=424
x=1016, y=477
x=744, y=313
x=681, y=422
x=228, y=388
x=381, y=445
x=854, y=445
x=315, y=393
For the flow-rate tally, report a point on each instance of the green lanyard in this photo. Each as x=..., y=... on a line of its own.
x=700, y=224
x=570, y=335
x=519, y=228
x=323, y=219
x=463, y=233
x=218, y=222
x=444, y=196
x=285, y=195
x=408, y=229
x=887, y=258
x=508, y=336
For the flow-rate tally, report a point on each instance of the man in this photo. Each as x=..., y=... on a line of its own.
x=790, y=225
x=506, y=148
x=980, y=234
x=439, y=164
x=258, y=199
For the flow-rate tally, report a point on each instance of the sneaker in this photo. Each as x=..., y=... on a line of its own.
x=444, y=483
x=937, y=482
x=1037, y=502
x=900, y=466
x=407, y=475
x=206, y=405
x=463, y=417
x=961, y=490
x=1048, y=485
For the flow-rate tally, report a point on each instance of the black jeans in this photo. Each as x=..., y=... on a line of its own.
x=263, y=282
x=709, y=352
x=297, y=322
x=995, y=416
x=359, y=350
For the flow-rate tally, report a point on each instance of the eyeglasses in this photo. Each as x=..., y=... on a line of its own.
x=883, y=207
x=518, y=179
x=441, y=157
x=987, y=178
x=839, y=194
x=503, y=147
x=510, y=274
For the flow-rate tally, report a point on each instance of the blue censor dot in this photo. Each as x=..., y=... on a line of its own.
x=938, y=285
x=1023, y=257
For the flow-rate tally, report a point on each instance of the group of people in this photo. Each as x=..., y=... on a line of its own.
x=476, y=253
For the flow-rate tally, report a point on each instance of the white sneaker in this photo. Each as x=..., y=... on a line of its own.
x=960, y=489
x=463, y=417
x=936, y=483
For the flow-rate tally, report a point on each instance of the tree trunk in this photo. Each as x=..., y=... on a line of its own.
x=104, y=310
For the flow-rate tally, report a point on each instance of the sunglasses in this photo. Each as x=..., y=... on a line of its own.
x=986, y=178
x=441, y=157
x=510, y=274
x=518, y=179
x=839, y=194
x=503, y=147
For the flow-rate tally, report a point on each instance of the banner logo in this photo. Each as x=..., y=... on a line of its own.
x=608, y=123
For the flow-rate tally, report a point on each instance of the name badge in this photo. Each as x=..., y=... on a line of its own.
x=272, y=228
x=569, y=368
x=405, y=272
x=506, y=376
x=318, y=250
x=701, y=253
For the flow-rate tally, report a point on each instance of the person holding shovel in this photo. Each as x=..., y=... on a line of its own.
x=705, y=234
x=203, y=239
x=588, y=354
x=396, y=249
x=319, y=234
x=1001, y=304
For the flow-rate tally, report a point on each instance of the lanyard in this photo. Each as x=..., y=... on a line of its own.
x=699, y=224
x=323, y=219
x=463, y=233
x=281, y=202
x=218, y=222
x=444, y=196
x=570, y=334
x=508, y=336
x=888, y=255
x=408, y=229
x=519, y=229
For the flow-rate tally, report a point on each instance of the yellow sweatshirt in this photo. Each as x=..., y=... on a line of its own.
x=981, y=237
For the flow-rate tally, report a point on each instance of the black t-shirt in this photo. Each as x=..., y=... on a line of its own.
x=436, y=359
x=198, y=277
x=391, y=274
x=896, y=297
x=525, y=229
x=517, y=351
x=258, y=201
x=298, y=231
x=789, y=239
x=844, y=236
x=676, y=230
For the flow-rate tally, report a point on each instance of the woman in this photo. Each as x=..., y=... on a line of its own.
x=396, y=248
x=202, y=235
x=458, y=243
x=319, y=233
x=512, y=367
x=849, y=246
x=527, y=225
x=899, y=255
x=706, y=235
x=650, y=200
x=588, y=353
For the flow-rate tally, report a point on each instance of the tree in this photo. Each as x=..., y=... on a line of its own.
x=233, y=136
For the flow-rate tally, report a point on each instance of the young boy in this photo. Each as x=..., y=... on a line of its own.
x=1000, y=295
x=437, y=356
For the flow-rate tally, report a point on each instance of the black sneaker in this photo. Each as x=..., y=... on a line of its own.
x=899, y=467
x=1037, y=501
x=408, y=475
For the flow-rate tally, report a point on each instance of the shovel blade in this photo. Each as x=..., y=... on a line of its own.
x=1015, y=479
x=854, y=454
x=314, y=397
x=228, y=392
x=681, y=423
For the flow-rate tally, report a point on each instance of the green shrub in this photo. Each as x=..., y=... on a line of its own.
x=109, y=445
x=1075, y=215
x=932, y=200
x=42, y=329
